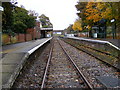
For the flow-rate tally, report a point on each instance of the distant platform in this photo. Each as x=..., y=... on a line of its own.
x=46, y=29
x=114, y=43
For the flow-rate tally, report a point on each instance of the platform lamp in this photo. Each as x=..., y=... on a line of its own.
x=1, y=8
x=113, y=28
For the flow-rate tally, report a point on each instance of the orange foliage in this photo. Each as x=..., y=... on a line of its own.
x=77, y=25
x=97, y=10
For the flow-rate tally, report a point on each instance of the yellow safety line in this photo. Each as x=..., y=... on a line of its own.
x=14, y=49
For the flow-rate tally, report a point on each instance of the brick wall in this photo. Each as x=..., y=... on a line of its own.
x=21, y=38
x=5, y=39
x=28, y=37
x=32, y=34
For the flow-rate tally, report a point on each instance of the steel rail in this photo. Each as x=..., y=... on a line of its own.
x=80, y=73
x=46, y=69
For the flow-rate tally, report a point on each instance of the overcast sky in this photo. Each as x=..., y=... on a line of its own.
x=60, y=12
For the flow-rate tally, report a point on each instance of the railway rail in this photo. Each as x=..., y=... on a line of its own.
x=103, y=56
x=81, y=78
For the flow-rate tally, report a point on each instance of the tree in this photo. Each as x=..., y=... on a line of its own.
x=22, y=20
x=45, y=21
x=33, y=13
x=95, y=11
x=92, y=12
x=81, y=7
x=77, y=25
x=7, y=15
x=19, y=27
x=30, y=21
x=16, y=19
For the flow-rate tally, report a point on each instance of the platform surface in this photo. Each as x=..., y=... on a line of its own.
x=14, y=57
x=109, y=82
x=112, y=42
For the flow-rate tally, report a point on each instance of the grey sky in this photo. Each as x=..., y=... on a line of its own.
x=61, y=12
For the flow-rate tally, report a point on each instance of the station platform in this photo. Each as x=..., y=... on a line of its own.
x=14, y=58
x=115, y=43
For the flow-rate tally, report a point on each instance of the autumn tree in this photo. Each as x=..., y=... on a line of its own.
x=92, y=12
x=77, y=25
x=95, y=11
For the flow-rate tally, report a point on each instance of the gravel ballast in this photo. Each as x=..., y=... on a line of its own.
x=90, y=66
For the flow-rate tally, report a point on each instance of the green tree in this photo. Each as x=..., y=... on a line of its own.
x=22, y=20
x=7, y=15
x=16, y=19
x=19, y=27
x=45, y=21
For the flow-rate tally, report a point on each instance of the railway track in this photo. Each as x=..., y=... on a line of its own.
x=63, y=66
x=61, y=71
x=93, y=67
x=107, y=58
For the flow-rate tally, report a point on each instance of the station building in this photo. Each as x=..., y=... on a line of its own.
x=46, y=32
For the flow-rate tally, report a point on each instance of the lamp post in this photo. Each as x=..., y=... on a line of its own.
x=113, y=28
x=1, y=9
x=102, y=26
